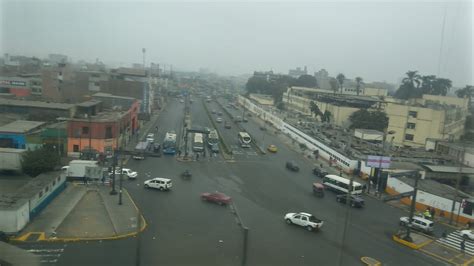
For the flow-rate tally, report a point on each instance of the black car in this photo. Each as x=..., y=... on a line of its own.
x=156, y=147
x=319, y=172
x=354, y=200
x=292, y=166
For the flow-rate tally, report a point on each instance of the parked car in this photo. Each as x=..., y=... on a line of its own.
x=216, y=197
x=158, y=183
x=219, y=113
x=227, y=125
x=354, y=200
x=272, y=148
x=156, y=147
x=238, y=119
x=468, y=234
x=291, y=165
x=319, y=172
x=418, y=223
x=126, y=171
x=213, y=111
x=304, y=219
x=219, y=120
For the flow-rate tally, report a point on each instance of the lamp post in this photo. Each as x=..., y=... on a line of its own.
x=391, y=132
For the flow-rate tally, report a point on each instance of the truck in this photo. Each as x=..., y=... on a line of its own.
x=80, y=169
x=140, y=150
x=10, y=159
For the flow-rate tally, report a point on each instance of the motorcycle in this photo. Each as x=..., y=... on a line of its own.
x=186, y=174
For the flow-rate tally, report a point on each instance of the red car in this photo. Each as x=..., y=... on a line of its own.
x=217, y=197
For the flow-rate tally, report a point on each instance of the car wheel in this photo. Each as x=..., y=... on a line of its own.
x=309, y=228
x=288, y=221
x=465, y=237
x=147, y=186
x=338, y=199
x=220, y=203
x=353, y=204
x=402, y=223
x=161, y=189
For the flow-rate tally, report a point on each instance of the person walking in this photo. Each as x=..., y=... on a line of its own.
x=432, y=212
x=463, y=246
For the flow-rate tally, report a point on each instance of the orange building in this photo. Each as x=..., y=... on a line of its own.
x=103, y=132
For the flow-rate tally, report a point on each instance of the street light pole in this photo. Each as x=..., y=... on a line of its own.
x=121, y=177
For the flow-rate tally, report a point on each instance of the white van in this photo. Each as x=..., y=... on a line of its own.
x=418, y=223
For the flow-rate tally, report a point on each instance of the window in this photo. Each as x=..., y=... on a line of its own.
x=75, y=148
x=40, y=194
x=46, y=189
x=108, y=132
x=411, y=125
x=54, y=183
x=85, y=130
x=409, y=136
x=413, y=113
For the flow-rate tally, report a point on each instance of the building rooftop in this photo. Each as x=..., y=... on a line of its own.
x=108, y=95
x=368, y=131
x=37, y=104
x=102, y=117
x=89, y=103
x=131, y=71
x=31, y=187
x=433, y=187
x=450, y=169
x=20, y=126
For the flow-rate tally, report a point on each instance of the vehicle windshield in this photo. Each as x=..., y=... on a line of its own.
x=338, y=110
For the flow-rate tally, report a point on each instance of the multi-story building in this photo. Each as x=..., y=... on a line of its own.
x=37, y=110
x=430, y=117
x=131, y=82
x=14, y=135
x=63, y=83
x=339, y=106
x=295, y=73
x=322, y=78
x=94, y=78
x=102, y=131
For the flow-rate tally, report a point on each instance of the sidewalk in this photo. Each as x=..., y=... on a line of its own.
x=85, y=212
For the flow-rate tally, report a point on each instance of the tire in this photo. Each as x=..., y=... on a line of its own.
x=220, y=203
x=353, y=204
x=338, y=199
x=147, y=186
x=161, y=189
x=309, y=228
x=465, y=237
x=402, y=223
x=288, y=221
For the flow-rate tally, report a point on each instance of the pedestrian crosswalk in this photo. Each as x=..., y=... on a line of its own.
x=454, y=240
x=48, y=256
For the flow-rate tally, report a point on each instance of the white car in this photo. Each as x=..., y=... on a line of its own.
x=418, y=223
x=304, y=219
x=467, y=234
x=158, y=183
x=219, y=120
x=128, y=172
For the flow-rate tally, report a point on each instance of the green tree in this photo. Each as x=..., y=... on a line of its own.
x=410, y=87
x=340, y=79
x=327, y=116
x=441, y=86
x=314, y=108
x=257, y=85
x=369, y=120
x=39, y=161
x=333, y=84
x=427, y=84
x=467, y=91
x=359, y=83
x=306, y=81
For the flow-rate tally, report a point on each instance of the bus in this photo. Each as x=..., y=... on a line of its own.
x=212, y=138
x=169, y=143
x=198, y=142
x=244, y=139
x=341, y=185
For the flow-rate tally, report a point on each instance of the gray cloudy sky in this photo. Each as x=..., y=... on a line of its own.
x=374, y=40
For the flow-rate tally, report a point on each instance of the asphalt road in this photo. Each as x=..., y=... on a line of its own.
x=183, y=230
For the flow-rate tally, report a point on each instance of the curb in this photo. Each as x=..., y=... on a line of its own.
x=409, y=244
x=42, y=237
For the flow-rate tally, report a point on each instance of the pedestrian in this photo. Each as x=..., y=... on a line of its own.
x=427, y=214
x=432, y=212
x=197, y=156
x=179, y=152
x=321, y=165
x=463, y=246
x=84, y=179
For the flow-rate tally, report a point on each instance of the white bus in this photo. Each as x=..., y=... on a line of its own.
x=341, y=185
x=244, y=139
x=198, y=142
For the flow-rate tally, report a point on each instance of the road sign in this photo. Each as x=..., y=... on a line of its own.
x=378, y=161
x=398, y=196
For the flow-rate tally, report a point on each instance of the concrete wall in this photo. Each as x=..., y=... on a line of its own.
x=46, y=195
x=424, y=199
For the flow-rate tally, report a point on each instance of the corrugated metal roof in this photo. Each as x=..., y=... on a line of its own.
x=449, y=169
x=20, y=126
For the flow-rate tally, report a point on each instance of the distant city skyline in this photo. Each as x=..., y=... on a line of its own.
x=377, y=41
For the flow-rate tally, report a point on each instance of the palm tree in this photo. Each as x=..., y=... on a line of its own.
x=413, y=78
x=314, y=108
x=340, y=78
x=359, y=82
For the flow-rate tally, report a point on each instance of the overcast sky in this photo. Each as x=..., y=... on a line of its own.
x=375, y=40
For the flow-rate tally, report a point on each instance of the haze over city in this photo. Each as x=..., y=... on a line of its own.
x=374, y=40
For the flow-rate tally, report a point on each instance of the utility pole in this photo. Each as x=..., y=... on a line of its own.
x=347, y=218
x=121, y=176
x=456, y=195
x=412, y=207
